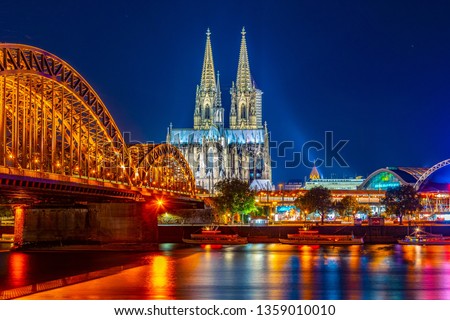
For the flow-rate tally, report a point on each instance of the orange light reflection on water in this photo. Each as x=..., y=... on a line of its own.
x=354, y=264
x=276, y=264
x=18, y=264
x=160, y=283
x=412, y=256
x=307, y=272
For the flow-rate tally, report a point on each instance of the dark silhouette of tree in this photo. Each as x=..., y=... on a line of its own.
x=349, y=206
x=401, y=200
x=234, y=196
x=317, y=199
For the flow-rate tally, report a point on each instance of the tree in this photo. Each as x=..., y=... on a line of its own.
x=363, y=208
x=234, y=196
x=317, y=199
x=348, y=206
x=401, y=200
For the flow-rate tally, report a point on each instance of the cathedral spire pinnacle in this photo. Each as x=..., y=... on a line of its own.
x=208, y=80
x=218, y=92
x=243, y=80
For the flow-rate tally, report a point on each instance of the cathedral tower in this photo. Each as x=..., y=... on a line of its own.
x=208, y=105
x=246, y=100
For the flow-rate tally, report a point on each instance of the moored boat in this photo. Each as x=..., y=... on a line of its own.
x=420, y=237
x=211, y=235
x=313, y=237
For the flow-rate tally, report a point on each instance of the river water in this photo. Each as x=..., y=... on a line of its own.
x=253, y=271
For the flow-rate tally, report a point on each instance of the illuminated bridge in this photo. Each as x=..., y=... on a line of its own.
x=59, y=141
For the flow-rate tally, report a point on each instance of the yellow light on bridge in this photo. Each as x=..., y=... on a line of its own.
x=160, y=202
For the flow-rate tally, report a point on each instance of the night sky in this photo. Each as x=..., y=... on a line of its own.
x=376, y=73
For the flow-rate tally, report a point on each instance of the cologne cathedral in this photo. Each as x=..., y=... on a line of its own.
x=215, y=152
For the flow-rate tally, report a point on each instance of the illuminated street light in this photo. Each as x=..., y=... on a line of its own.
x=160, y=202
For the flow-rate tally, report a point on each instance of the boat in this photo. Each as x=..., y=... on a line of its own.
x=212, y=235
x=420, y=237
x=313, y=237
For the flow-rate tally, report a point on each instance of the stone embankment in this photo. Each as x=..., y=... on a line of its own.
x=271, y=234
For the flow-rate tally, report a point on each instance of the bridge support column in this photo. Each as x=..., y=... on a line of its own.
x=93, y=223
x=34, y=226
x=124, y=222
x=19, y=220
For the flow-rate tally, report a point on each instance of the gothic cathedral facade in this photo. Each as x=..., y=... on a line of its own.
x=215, y=152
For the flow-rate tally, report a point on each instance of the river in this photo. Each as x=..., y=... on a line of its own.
x=253, y=271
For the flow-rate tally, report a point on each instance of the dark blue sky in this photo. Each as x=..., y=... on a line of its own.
x=376, y=73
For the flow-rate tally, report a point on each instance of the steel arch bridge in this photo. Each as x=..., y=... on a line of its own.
x=52, y=121
x=161, y=166
x=430, y=171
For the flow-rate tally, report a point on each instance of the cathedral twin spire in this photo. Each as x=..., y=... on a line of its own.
x=246, y=99
x=208, y=104
x=208, y=81
x=246, y=102
x=243, y=78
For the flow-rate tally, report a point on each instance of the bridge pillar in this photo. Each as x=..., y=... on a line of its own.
x=94, y=223
x=124, y=222
x=38, y=225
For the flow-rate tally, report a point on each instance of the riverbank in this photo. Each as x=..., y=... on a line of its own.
x=270, y=234
x=262, y=234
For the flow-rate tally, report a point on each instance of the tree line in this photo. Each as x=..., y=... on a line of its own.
x=236, y=200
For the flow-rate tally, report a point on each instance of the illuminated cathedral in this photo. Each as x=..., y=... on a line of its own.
x=214, y=152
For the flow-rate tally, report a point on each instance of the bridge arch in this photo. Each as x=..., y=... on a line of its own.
x=162, y=166
x=430, y=171
x=51, y=120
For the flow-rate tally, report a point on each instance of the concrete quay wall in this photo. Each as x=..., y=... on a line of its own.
x=371, y=234
x=92, y=223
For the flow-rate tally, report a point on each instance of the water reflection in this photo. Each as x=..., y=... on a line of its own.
x=18, y=265
x=275, y=271
x=160, y=278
